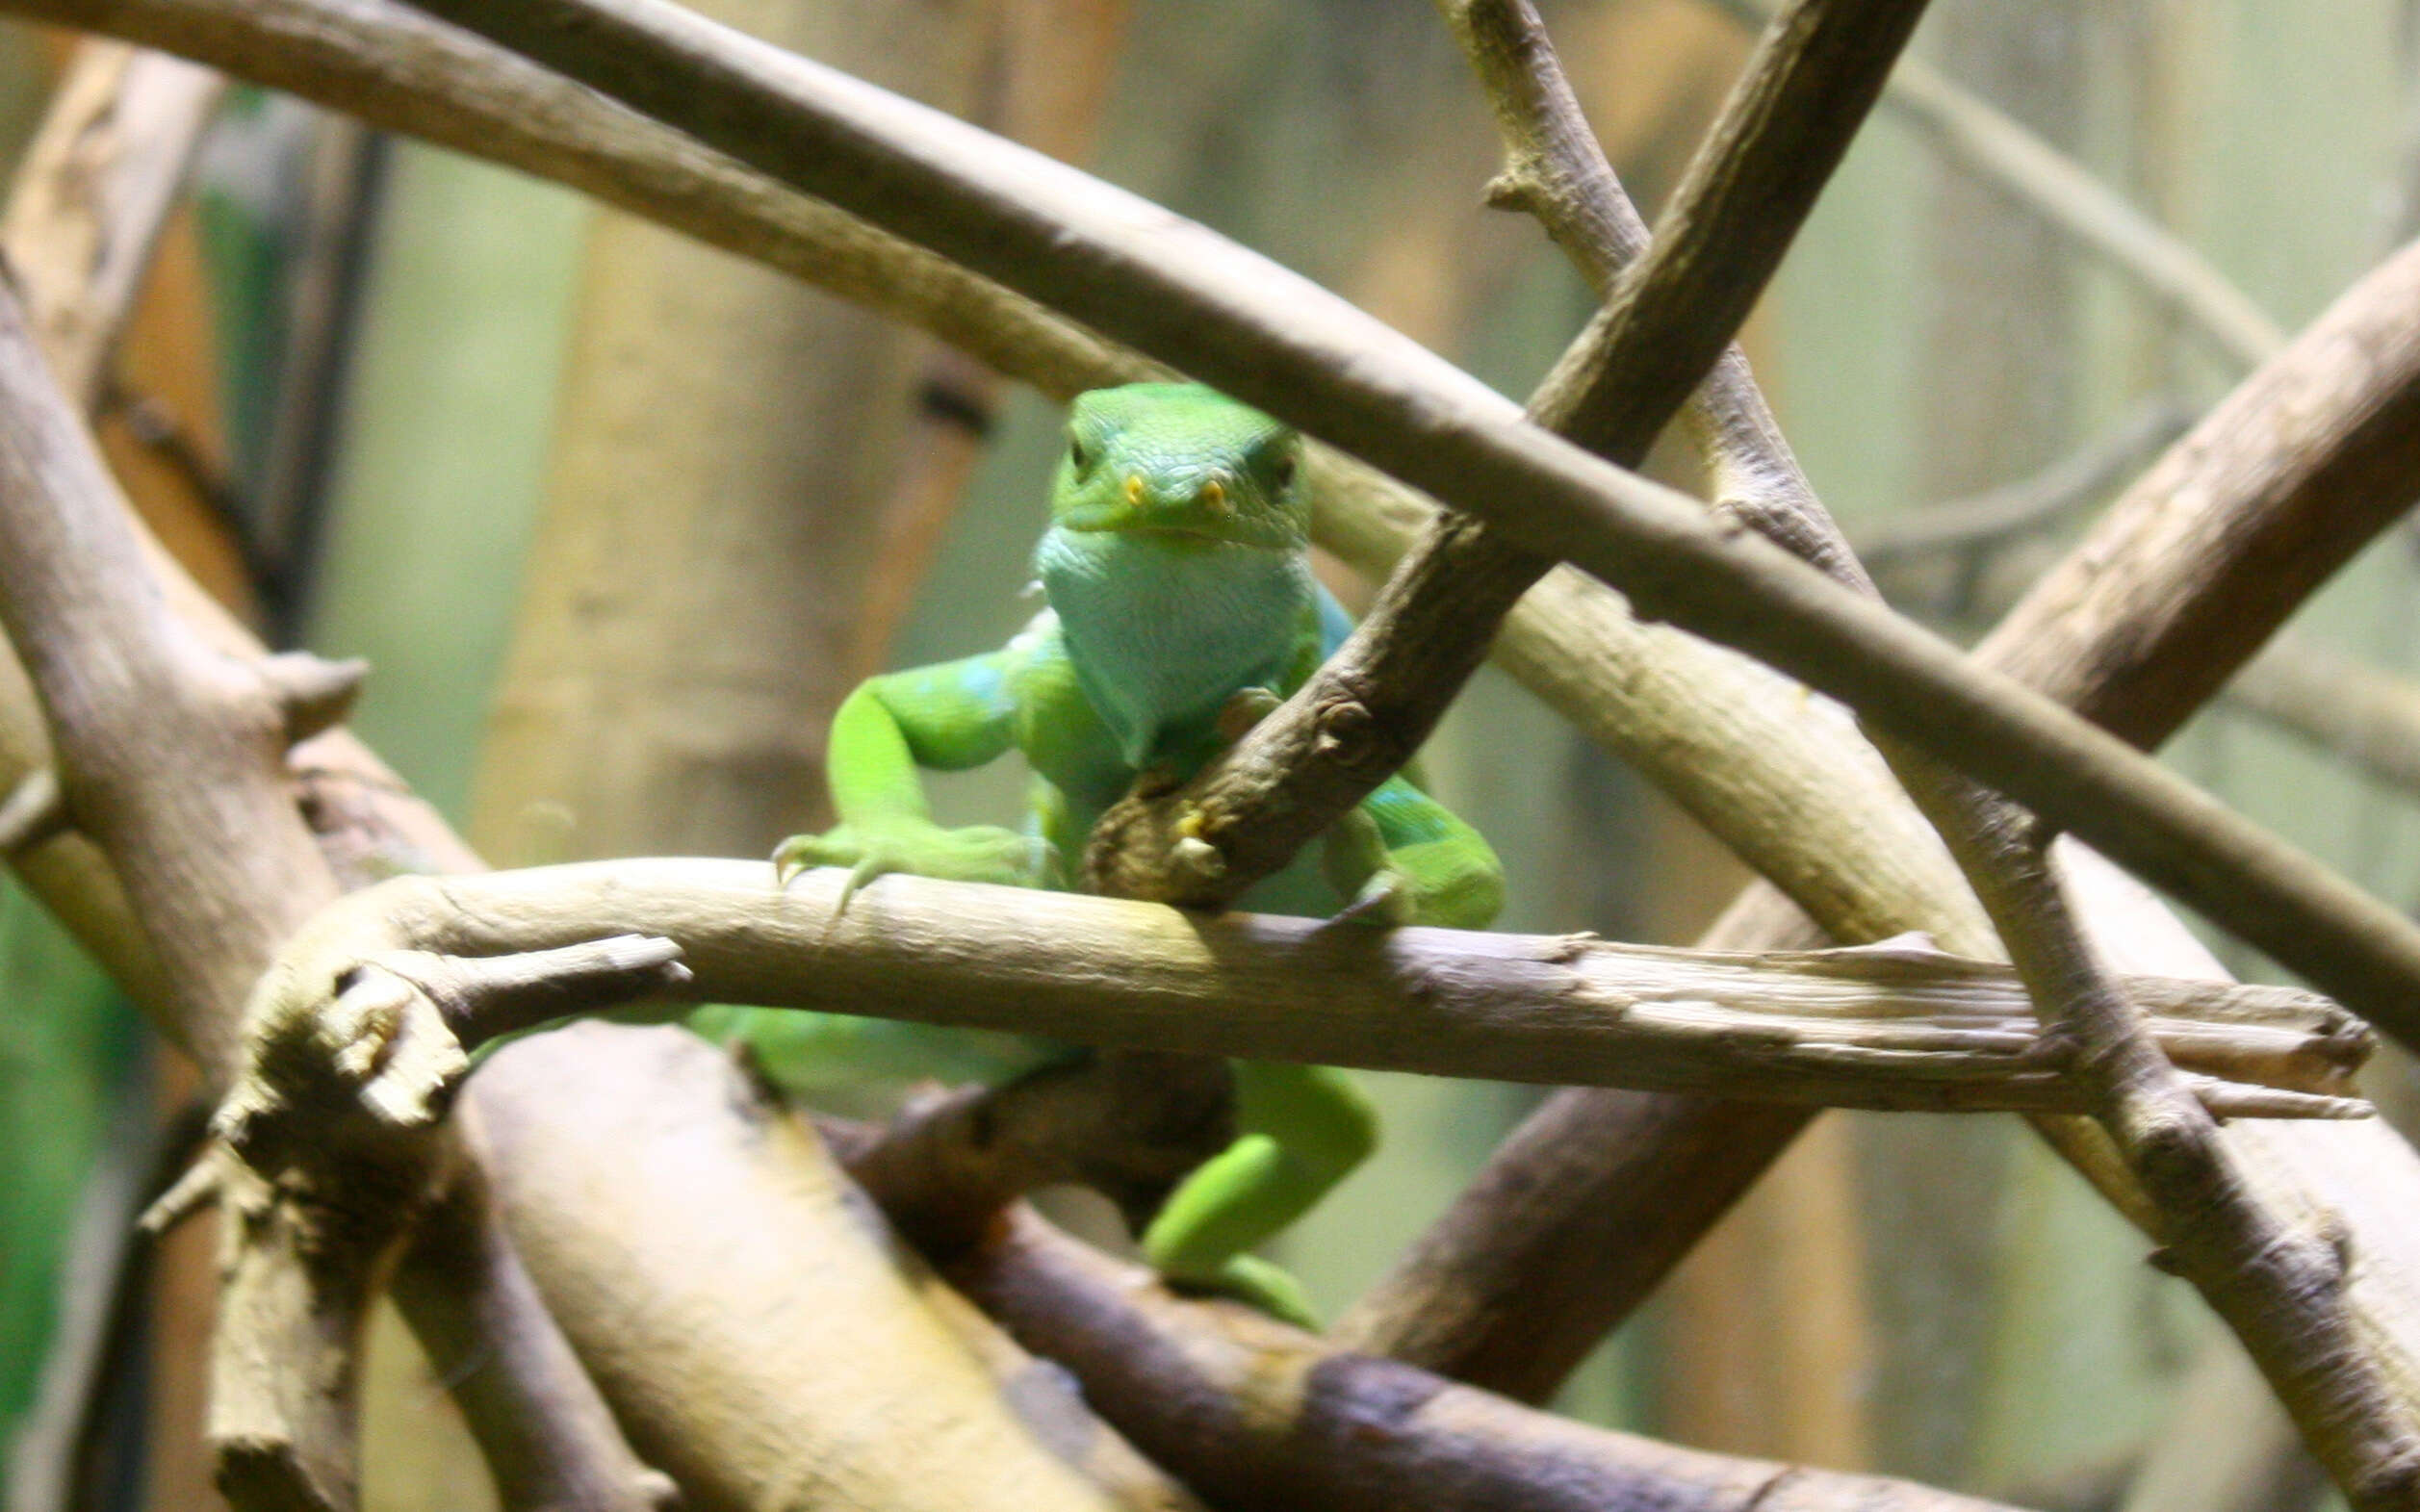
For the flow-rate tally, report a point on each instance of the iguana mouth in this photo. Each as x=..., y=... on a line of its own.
x=1149, y=526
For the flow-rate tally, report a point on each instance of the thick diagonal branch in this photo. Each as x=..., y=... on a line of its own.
x=1666, y=319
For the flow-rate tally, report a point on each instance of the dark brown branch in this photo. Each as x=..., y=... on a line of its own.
x=1255, y=1414
x=947, y=1165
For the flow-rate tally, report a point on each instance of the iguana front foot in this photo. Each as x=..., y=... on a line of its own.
x=975, y=853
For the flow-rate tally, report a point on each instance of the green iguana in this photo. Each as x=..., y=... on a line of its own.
x=1181, y=607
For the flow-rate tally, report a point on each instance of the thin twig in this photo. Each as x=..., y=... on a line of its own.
x=2067, y=194
x=1990, y=518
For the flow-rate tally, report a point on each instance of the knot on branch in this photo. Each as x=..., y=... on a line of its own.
x=1516, y=188
x=352, y=1058
x=313, y=694
x=1159, y=845
x=1351, y=739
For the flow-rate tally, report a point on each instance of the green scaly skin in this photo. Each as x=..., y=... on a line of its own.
x=1181, y=607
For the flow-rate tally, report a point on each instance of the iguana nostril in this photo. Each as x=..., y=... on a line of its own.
x=1213, y=497
x=1134, y=488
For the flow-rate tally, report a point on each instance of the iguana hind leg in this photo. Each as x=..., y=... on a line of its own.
x=1304, y=1129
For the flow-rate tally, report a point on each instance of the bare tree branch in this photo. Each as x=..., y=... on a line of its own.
x=1901, y=1027
x=2363, y=713
x=1121, y=1124
x=1993, y=517
x=215, y=862
x=2312, y=457
x=463, y=1289
x=1247, y=1412
x=370, y=825
x=79, y=230
x=1720, y=732
x=2279, y=1282
x=2067, y=194
x=217, y=868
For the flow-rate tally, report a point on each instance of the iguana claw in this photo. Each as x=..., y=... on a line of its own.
x=975, y=853
x=1387, y=900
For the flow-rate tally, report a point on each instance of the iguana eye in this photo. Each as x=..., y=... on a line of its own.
x=1282, y=474
x=1079, y=455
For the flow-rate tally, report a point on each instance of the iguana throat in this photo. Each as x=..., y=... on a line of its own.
x=1162, y=633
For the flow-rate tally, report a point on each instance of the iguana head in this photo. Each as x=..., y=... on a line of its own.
x=1181, y=463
